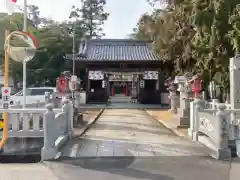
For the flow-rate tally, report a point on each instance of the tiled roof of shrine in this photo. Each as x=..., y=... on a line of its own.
x=117, y=50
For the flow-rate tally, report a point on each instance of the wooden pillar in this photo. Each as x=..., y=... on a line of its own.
x=113, y=92
x=126, y=89
x=87, y=85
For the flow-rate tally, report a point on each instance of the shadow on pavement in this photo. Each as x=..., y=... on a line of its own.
x=6, y=159
x=150, y=168
x=114, y=166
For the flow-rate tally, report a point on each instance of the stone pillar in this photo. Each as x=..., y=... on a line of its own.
x=77, y=100
x=184, y=110
x=214, y=103
x=38, y=105
x=47, y=98
x=204, y=95
x=48, y=151
x=195, y=106
x=68, y=110
x=174, y=98
x=234, y=73
x=55, y=100
x=222, y=133
x=234, y=68
x=198, y=105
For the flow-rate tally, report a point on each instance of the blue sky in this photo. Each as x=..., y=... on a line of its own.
x=124, y=14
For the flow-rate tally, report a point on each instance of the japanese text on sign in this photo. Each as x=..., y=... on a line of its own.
x=6, y=91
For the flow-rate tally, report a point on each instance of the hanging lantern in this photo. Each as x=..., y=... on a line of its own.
x=62, y=84
x=196, y=85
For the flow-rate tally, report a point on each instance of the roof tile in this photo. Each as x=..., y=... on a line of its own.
x=118, y=50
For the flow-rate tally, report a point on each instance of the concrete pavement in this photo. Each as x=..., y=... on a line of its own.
x=36, y=171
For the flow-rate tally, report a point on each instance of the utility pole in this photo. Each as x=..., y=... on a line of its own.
x=73, y=65
x=25, y=60
x=73, y=48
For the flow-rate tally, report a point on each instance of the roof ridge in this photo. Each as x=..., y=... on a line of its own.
x=120, y=40
x=115, y=44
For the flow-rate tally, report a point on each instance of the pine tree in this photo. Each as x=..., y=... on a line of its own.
x=91, y=16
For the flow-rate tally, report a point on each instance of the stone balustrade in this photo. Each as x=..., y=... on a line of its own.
x=217, y=123
x=54, y=126
x=56, y=98
x=58, y=129
x=214, y=104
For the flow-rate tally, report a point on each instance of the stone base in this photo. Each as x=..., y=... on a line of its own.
x=195, y=136
x=238, y=147
x=222, y=154
x=182, y=122
x=190, y=133
x=182, y=126
x=48, y=154
x=22, y=145
x=174, y=111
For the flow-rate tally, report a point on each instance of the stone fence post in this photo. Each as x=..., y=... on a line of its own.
x=174, y=98
x=197, y=105
x=47, y=98
x=55, y=100
x=38, y=104
x=48, y=150
x=214, y=103
x=204, y=95
x=68, y=110
x=237, y=140
x=222, y=133
x=77, y=99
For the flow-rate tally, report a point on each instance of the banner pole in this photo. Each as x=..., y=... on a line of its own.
x=5, y=115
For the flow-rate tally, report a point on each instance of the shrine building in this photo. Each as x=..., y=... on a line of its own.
x=119, y=70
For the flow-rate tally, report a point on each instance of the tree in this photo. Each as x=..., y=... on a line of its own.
x=91, y=17
x=197, y=36
x=234, y=34
x=54, y=41
x=34, y=15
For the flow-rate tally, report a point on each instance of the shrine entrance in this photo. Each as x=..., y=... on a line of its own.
x=121, y=87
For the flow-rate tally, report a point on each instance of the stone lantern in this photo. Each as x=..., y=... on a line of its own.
x=184, y=108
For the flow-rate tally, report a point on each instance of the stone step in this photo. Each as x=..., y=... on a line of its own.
x=120, y=98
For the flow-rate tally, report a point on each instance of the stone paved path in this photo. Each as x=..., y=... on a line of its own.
x=129, y=132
